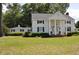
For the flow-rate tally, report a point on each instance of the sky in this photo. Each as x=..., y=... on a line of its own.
x=73, y=11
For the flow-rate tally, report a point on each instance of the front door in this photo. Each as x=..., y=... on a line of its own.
x=58, y=30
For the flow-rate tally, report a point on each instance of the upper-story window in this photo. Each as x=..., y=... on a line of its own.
x=40, y=21
x=68, y=22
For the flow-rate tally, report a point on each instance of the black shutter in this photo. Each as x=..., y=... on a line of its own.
x=37, y=29
x=43, y=29
x=43, y=21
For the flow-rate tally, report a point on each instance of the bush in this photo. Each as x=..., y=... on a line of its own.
x=29, y=34
x=5, y=29
x=14, y=34
x=44, y=34
x=73, y=33
x=69, y=34
x=35, y=34
x=40, y=34
x=26, y=34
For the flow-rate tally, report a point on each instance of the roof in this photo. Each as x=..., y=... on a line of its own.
x=40, y=16
x=56, y=15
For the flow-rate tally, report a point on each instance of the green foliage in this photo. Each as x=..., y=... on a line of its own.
x=21, y=13
x=14, y=34
x=77, y=24
x=1, y=28
x=29, y=34
x=73, y=34
x=13, y=15
x=5, y=29
x=69, y=34
x=26, y=34
x=40, y=34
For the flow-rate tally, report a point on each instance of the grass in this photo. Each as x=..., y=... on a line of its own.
x=17, y=45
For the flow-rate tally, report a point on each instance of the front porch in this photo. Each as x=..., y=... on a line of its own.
x=57, y=27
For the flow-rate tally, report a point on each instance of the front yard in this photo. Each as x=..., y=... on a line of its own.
x=33, y=46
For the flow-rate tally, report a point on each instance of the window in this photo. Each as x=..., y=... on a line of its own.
x=43, y=29
x=69, y=22
x=40, y=29
x=12, y=30
x=40, y=21
x=21, y=30
x=37, y=29
x=29, y=30
x=68, y=28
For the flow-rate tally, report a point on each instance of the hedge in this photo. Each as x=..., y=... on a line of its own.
x=29, y=34
x=26, y=34
x=14, y=34
x=73, y=33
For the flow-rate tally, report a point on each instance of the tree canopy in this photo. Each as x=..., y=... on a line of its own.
x=77, y=24
x=21, y=13
x=1, y=24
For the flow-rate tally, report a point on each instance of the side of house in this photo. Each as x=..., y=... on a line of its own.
x=20, y=29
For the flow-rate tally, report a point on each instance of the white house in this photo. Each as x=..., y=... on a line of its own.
x=53, y=24
x=20, y=29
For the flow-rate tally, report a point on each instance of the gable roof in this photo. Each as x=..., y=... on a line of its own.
x=41, y=16
x=58, y=15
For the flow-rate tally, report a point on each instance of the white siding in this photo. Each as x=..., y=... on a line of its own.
x=48, y=18
x=17, y=29
x=35, y=25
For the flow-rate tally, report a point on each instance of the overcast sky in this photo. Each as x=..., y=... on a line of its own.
x=73, y=10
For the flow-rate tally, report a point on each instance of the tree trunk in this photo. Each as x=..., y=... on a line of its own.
x=1, y=27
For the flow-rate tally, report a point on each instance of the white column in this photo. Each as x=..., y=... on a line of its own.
x=66, y=27
x=60, y=26
x=55, y=26
x=49, y=27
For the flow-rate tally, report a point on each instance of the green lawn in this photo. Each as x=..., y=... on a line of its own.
x=32, y=46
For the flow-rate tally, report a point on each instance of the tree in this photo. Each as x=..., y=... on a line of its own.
x=77, y=24
x=21, y=14
x=1, y=27
x=12, y=16
x=42, y=8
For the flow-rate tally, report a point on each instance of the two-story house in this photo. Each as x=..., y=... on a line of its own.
x=53, y=24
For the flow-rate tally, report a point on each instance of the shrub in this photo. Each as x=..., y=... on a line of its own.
x=73, y=33
x=44, y=34
x=5, y=29
x=26, y=34
x=40, y=34
x=29, y=34
x=69, y=34
x=35, y=34
x=14, y=34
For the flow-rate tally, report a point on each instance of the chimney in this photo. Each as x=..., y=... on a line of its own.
x=67, y=13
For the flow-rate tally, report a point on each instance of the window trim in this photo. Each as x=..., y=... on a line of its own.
x=21, y=30
x=68, y=28
x=12, y=30
x=40, y=21
x=68, y=22
x=40, y=29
